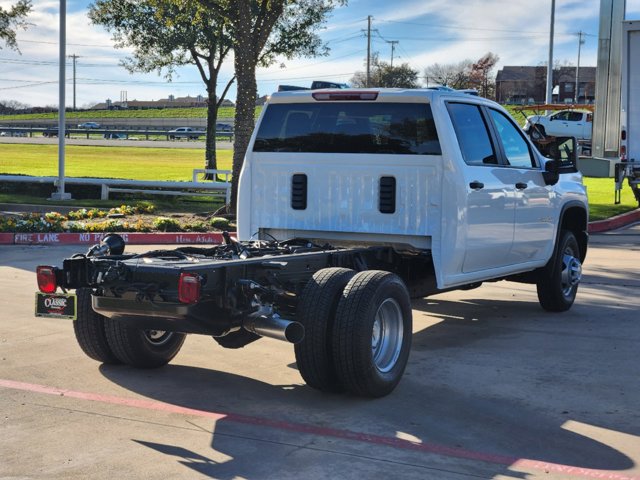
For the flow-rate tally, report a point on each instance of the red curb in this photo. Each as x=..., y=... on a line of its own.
x=6, y=238
x=129, y=238
x=618, y=221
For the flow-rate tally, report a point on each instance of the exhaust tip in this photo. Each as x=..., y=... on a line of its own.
x=294, y=333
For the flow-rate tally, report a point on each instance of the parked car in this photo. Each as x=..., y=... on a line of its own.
x=89, y=125
x=565, y=123
x=185, y=132
x=115, y=136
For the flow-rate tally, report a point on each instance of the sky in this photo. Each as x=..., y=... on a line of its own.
x=426, y=31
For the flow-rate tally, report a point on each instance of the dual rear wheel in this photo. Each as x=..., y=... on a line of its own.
x=109, y=341
x=358, y=330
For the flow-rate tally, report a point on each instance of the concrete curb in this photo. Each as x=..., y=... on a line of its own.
x=93, y=238
x=601, y=226
x=613, y=223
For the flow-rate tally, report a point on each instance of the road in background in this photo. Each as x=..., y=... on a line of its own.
x=183, y=143
x=495, y=388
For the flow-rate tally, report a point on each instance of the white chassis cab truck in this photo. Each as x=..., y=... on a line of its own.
x=351, y=202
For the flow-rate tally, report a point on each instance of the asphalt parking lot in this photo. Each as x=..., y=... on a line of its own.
x=495, y=388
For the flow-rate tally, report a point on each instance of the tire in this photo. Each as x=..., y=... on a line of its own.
x=316, y=311
x=372, y=333
x=558, y=284
x=537, y=132
x=143, y=348
x=89, y=328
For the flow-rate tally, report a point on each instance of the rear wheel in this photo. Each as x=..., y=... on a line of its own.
x=316, y=311
x=372, y=333
x=558, y=285
x=143, y=348
x=89, y=328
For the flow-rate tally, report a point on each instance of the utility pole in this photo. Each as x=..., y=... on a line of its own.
x=369, y=17
x=393, y=47
x=549, y=98
x=74, y=57
x=580, y=42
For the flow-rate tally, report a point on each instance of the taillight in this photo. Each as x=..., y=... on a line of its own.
x=623, y=135
x=46, y=279
x=340, y=95
x=189, y=288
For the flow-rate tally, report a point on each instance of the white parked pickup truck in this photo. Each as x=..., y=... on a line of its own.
x=565, y=123
x=351, y=202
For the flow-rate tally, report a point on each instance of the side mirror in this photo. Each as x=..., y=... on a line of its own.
x=551, y=172
x=561, y=149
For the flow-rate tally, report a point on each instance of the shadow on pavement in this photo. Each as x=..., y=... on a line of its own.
x=479, y=381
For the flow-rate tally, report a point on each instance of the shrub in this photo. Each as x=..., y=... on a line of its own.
x=144, y=206
x=167, y=224
x=219, y=222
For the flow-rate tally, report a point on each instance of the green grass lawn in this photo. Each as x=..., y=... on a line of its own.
x=105, y=115
x=601, y=192
x=177, y=164
x=107, y=162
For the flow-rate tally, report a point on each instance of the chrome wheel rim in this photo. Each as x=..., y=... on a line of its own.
x=387, y=335
x=571, y=273
x=158, y=337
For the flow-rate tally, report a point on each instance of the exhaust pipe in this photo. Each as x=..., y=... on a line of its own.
x=273, y=326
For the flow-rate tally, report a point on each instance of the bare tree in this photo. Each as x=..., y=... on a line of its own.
x=454, y=75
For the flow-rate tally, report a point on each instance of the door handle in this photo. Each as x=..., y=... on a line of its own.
x=476, y=185
x=521, y=186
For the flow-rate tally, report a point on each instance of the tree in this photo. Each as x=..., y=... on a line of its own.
x=166, y=34
x=481, y=76
x=384, y=75
x=12, y=19
x=453, y=75
x=261, y=31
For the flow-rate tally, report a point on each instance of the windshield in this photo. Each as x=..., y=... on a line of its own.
x=354, y=127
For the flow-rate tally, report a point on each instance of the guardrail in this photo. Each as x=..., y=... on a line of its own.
x=107, y=185
x=108, y=132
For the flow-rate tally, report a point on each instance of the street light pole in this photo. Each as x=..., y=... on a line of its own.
x=549, y=98
x=580, y=42
x=60, y=194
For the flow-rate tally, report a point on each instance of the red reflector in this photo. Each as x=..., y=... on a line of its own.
x=46, y=279
x=189, y=288
x=340, y=95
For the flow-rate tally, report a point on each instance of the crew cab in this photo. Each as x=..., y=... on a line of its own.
x=565, y=123
x=351, y=202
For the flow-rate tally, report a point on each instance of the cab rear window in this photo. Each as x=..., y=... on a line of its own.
x=339, y=127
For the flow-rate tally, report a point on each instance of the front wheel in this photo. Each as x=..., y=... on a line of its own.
x=558, y=285
x=372, y=333
x=143, y=348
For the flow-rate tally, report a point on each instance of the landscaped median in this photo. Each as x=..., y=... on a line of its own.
x=137, y=224
x=63, y=238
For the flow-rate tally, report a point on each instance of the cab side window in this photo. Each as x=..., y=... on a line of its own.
x=473, y=134
x=515, y=147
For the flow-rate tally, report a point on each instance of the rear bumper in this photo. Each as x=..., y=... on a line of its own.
x=201, y=318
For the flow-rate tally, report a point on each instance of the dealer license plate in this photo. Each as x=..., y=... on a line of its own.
x=56, y=305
